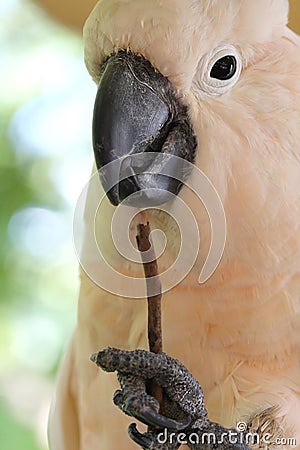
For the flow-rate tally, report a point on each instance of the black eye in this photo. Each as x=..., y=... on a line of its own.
x=224, y=68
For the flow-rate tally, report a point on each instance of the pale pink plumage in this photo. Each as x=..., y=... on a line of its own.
x=239, y=333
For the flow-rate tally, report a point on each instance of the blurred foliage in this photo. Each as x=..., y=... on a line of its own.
x=46, y=100
x=15, y=435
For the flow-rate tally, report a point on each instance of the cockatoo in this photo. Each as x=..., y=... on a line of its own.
x=215, y=83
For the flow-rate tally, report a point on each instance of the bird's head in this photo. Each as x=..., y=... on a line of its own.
x=176, y=78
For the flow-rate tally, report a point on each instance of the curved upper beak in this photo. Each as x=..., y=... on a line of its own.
x=138, y=125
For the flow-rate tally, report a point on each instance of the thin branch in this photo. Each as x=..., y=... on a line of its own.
x=154, y=302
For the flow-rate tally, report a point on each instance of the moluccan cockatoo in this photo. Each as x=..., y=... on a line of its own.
x=214, y=83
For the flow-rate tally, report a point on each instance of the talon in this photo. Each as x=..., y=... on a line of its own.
x=118, y=398
x=93, y=357
x=150, y=417
x=137, y=437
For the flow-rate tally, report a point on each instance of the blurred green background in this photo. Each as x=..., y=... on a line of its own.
x=46, y=103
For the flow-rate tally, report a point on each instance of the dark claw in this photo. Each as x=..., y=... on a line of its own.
x=118, y=398
x=150, y=417
x=138, y=438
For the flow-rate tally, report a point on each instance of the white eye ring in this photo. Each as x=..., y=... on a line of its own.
x=213, y=86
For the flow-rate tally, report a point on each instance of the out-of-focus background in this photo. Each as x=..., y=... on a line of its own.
x=46, y=103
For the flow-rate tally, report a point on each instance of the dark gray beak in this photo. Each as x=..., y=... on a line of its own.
x=139, y=127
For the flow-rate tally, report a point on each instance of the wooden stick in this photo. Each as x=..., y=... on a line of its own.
x=154, y=302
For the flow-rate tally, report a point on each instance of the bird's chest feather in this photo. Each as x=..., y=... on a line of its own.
x=239, y=332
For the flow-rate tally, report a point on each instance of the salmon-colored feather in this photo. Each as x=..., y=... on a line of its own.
x=239, y=333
